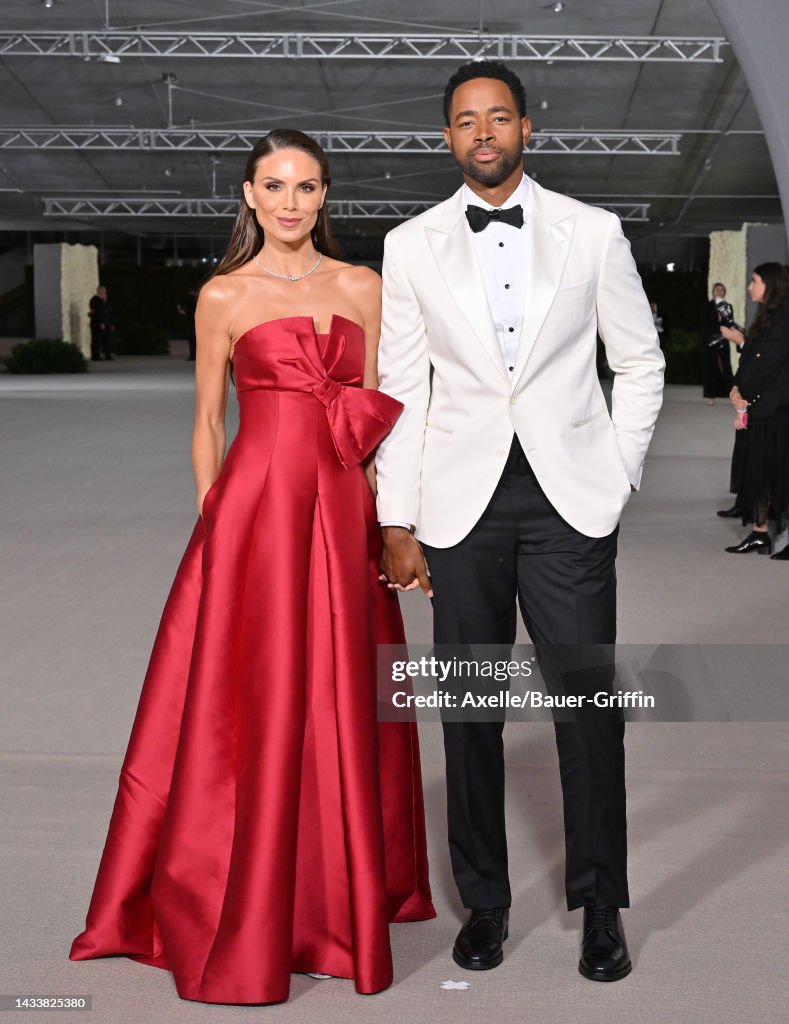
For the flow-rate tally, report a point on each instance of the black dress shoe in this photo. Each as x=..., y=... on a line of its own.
x=479, y=941
x=782, y=555
x=730, y=513
x=753, y=542
x=604, y=955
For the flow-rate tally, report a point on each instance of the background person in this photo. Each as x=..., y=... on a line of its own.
x=760, y=397
x=101, y=325
x=660, y=320
x=187, y=307
x=715, y=354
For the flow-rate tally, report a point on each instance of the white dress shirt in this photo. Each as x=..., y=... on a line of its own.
x=503, y=255
x=503, y=258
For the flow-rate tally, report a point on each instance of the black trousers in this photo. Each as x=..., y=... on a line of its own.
x=99, y=343
x=565, y=584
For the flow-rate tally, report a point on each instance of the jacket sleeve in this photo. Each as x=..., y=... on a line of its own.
x=742, y=366
x=768, y=354
x=403, y=373
x=624, y=322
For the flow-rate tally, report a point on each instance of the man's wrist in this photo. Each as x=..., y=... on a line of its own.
x=394, y=525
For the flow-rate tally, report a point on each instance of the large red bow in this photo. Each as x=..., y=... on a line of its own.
x=358, y=418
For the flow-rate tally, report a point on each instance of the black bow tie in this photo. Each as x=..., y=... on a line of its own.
x=479, y=219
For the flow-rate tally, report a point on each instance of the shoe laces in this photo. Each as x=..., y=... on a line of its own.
x=490, y=913
x=602, y=917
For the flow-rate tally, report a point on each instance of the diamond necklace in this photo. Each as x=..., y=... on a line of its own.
x=290, y=277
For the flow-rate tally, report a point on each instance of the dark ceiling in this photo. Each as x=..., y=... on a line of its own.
x=720, y=178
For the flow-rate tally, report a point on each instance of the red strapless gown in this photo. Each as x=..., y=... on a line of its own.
x=265, y=823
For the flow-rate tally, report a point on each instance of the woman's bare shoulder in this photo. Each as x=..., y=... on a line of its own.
x=218, y=290
x=359, y=282
x=223, y=288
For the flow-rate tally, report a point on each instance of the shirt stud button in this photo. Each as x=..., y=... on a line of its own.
x=510, y=329
x=506, y=286
x=501, y=245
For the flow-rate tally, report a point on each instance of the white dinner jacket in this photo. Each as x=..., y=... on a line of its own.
x=440, y=356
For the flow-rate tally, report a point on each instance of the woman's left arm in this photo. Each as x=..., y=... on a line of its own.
x=769, y=355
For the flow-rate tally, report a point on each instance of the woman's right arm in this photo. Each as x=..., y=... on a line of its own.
x=212, y=376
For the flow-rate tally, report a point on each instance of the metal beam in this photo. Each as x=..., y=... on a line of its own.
x=604, y=143
x=346, y=209
x=456, y=46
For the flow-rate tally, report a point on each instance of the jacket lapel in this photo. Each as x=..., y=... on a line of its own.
x=550, y=249
x=450, y=243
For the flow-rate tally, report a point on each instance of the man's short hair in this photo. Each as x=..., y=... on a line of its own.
x=486, y=69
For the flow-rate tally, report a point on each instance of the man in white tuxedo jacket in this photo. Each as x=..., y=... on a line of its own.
x=505, y=477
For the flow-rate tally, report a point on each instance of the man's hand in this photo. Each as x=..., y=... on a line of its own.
x=403, y=564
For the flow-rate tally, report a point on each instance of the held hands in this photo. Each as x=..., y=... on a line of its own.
x=403, y=564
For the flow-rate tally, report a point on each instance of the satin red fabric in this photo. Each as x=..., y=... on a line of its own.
x=264, y=822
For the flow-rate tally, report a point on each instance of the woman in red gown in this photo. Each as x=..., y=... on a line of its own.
x=265, y=823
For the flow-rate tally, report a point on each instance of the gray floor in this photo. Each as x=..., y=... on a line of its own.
x=97, y=503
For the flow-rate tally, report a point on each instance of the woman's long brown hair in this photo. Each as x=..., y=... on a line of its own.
x=776, y=289
x=247, y=237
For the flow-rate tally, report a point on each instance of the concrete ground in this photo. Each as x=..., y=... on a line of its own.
x=97, y=503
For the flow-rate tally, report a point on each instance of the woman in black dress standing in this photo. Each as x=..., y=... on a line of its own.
x=760, y=397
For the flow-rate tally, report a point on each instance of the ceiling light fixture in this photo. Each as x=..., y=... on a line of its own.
x=108, y=58
x=558, y=7
x=49, y=4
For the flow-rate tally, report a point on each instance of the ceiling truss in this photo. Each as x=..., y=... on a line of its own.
x=117, y=44
x=604, y=143
x=348, y=209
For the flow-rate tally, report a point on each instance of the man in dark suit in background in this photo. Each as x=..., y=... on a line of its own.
x=101, y=327
x=186, y=308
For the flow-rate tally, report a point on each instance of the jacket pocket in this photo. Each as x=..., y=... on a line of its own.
x=589, y=419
